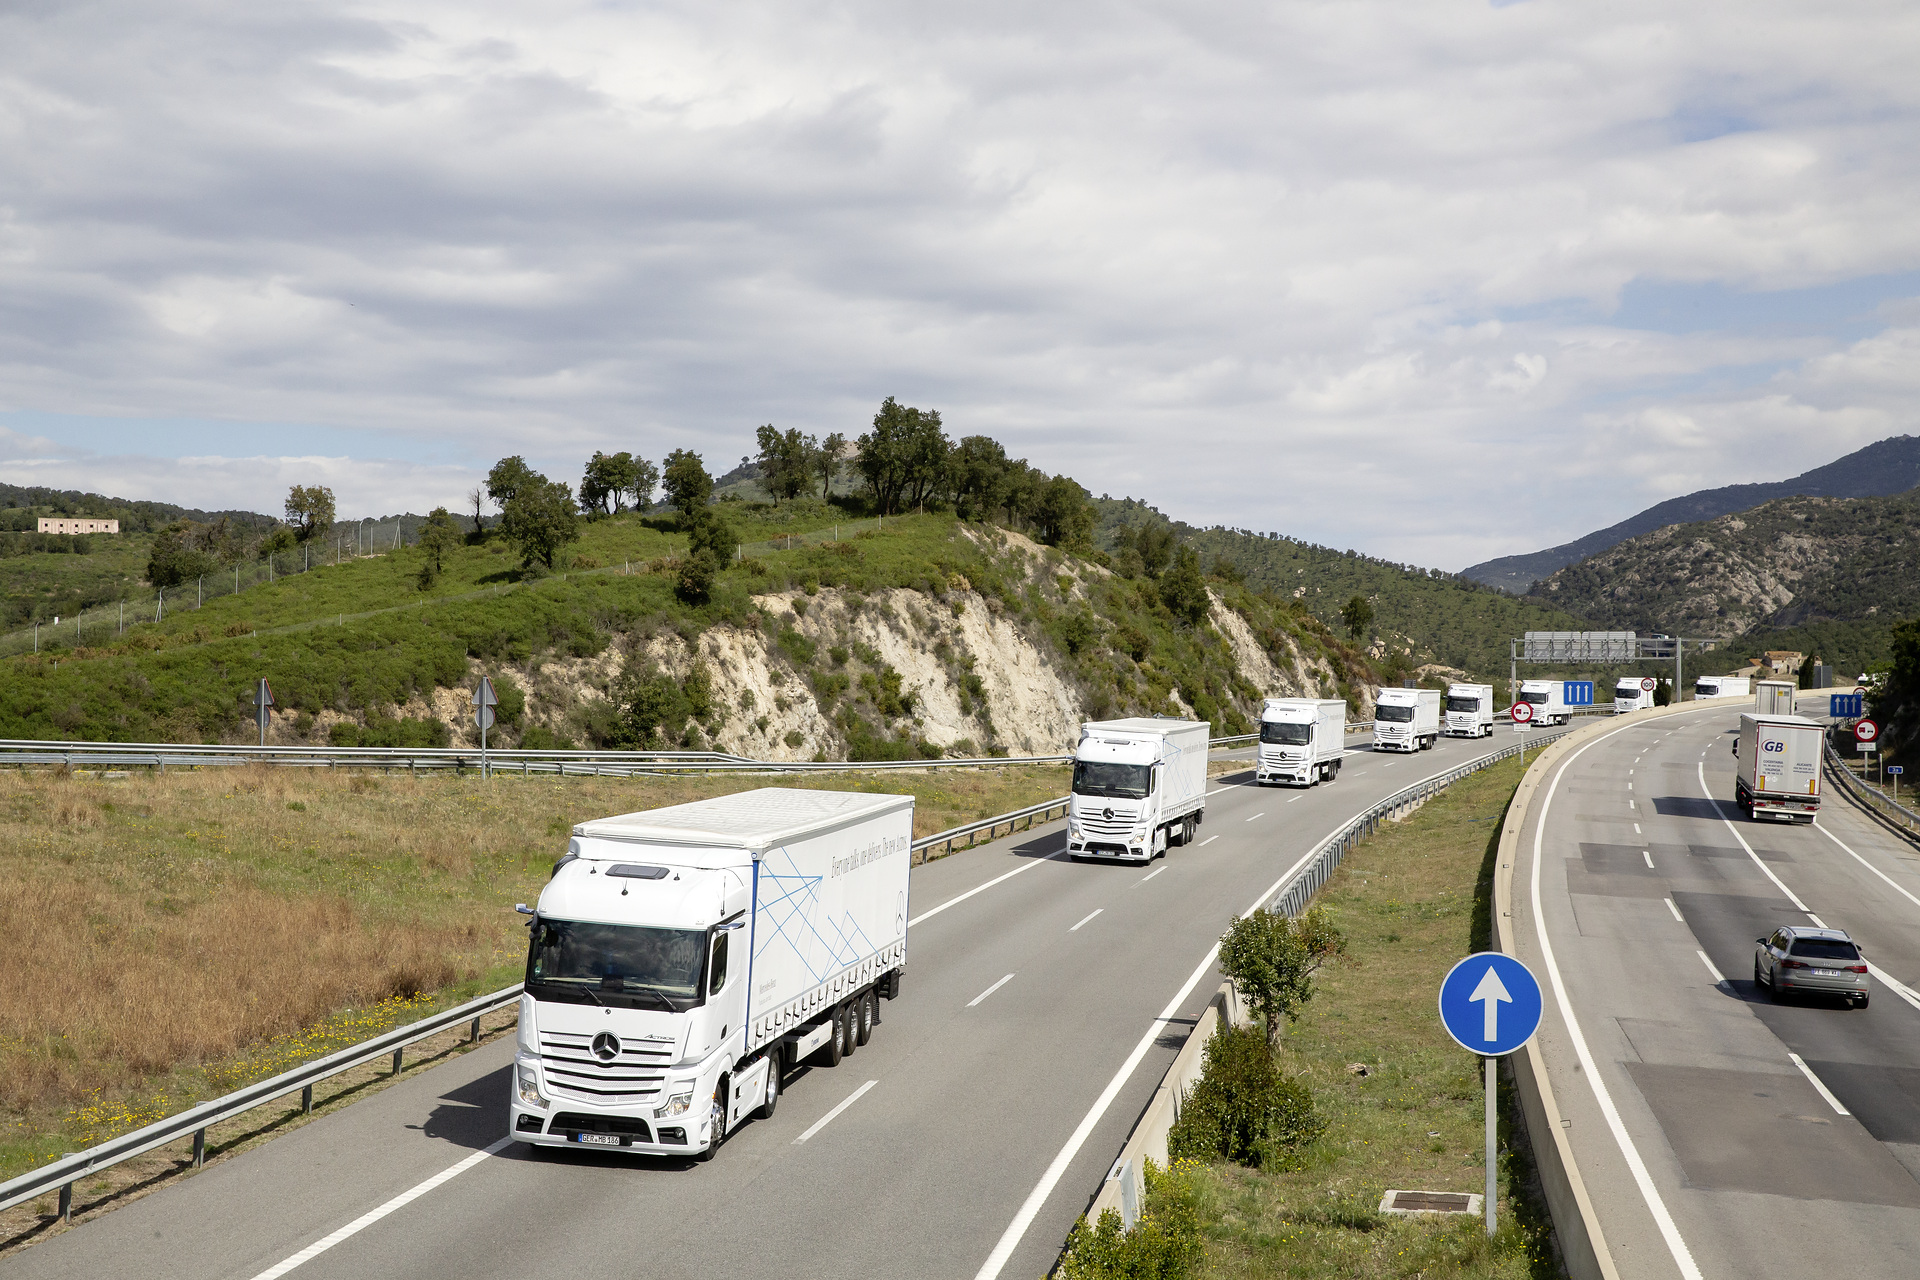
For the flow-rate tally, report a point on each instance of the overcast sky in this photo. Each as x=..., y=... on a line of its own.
x=1436, y=280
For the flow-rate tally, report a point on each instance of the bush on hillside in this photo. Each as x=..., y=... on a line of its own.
x=1243, y=1108
x=386, y=731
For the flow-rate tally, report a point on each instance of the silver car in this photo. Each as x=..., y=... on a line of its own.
x=1822, y=961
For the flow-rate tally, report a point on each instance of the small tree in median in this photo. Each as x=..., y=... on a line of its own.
x=1271, y=960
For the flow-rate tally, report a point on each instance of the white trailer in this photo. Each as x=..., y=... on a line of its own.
x=1406, y=719
x=1549, y=699
x=1774, y=697
x=1778, y=771
x=682, y=959
x=1301, y=740
x=1632, y=693
x=1469, y=711
x=1139, y=786
x=1723, y=687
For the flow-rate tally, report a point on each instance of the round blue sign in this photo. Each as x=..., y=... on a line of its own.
x=1490, y=1004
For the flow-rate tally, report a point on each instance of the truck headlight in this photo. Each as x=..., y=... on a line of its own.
x=528, y=1087
x=676, y=1105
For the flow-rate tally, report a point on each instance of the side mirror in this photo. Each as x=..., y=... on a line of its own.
x=523, y=908
x=1761, y=941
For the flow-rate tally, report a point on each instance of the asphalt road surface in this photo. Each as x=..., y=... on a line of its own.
x=1720, y=1133
x=1042, y=1003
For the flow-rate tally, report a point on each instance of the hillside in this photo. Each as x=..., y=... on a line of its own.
x=1831, y=572
x=1422, y=617
x=134, y=516
x=1886, y=467
x=921, y=635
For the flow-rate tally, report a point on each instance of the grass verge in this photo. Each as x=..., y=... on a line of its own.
x=1412, y=901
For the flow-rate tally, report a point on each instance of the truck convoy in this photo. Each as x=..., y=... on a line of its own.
x=1406, y=719
x=1301, y=740
x=1723, y=687
x=1774, y=697
x=1469, y=711
x=681, y=959
x=1628, y=695
x=1778, y=771
x=1139, y=786
x=1549, y=699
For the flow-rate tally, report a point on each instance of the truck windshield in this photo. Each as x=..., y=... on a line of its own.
x=1284, y=734
x=1705, y=690
x=662, y=966
x=1535, y=698
x=1627, y=694
x=1112, y=781
x=1392, y=714
x=1463, y=704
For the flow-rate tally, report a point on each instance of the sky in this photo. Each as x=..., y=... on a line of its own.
x=1436, y=281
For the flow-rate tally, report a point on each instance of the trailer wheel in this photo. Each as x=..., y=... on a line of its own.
x=863, y=1018
x=835, y=1043
x=849, y=1028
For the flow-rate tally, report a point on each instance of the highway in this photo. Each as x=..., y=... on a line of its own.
x=1043, y=1001
x=1720, y=1133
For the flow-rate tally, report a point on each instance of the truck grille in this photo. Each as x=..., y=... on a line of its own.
x=571, y=1122
x=1094, y=822
x=635, y=1074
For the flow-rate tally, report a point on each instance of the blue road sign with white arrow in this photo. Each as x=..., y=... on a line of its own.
x=1490, y=1004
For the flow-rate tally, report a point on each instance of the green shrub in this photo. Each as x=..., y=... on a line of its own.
x=1243, y=1108
x=385, y=731
x=796, y=646
x=1163, y=1245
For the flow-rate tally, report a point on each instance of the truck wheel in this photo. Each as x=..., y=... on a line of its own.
x=835, y=1042
x=771, y=1098
x=1192, y=827
x=863, y=1018
x=849, y=1027
x=716, y=1125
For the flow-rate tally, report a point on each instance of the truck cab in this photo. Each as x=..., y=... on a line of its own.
x=1302, y=741
x=1139, y=787
x=1469, y=711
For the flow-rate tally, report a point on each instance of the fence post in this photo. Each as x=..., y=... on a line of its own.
x=473, y=1032
x=306, y=1101
x=199, y=1147
x=396, y=1060
x=66, y=1203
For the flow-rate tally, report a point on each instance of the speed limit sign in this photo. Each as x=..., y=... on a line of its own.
x=1522, y=712
x=1646, y=684
x=1866, y=731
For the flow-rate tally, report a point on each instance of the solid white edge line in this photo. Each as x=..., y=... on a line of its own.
x=824, y=1120
x=1718, y=976
x=1676, y=911
x=1815, y=1081
x=989, y=991
x=1722, y=811
x=1090, y=915
x=372, y=1216
x=1894, y=985
x=1891, y=883
x=1818, y=922
x=1669, y=1230
x=934, y=911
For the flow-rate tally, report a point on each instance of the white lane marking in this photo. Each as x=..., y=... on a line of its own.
x=1203, y=844
x=1891, y=884
x=1219, y=791
x=1629, y=773
x=1682, y=919
x=1649, y=857
x=1261, y=814
x=1721, y=810
x=1151, y=874
x=823, y=1121
x=996, y=986
x=1669, y=1232
x=1636, y=828
x=1291, y=799
x=372, y=1216
x=1633, y=806
x=1629, y=786
x=1096, y=911
x=1717, y=975
x=1818, y=922
x=932, y=912
x=1030, y=1207
x=1814, y=1080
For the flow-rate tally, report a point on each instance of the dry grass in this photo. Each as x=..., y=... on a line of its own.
x=166, y=938
x=1412, y=902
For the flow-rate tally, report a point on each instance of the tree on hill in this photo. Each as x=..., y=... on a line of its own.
x=1064, y=514
x=176, y=556
x=507, y=478
x=539, y=519
x=787, y=460
x=477, y=499
x=1356, y=615
x=645, y=479
x=977, y=476
x=827, y=462
x=310, y=510
x=439, y=536
x=689, y=487
x=1184, y=590
x=1897, y=702
x=904, y=458
x=604, y=487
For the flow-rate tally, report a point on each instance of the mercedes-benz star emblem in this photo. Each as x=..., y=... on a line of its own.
x=1107, y=813
x=606, y=1046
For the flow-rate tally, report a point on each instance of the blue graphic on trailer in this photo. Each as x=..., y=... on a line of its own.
x=797, y=919
x=1579, y=693
x=1490, y=1004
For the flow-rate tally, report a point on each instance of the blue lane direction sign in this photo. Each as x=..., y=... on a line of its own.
x=1490, y=1004
x=1579, y=693
x=1844, y=706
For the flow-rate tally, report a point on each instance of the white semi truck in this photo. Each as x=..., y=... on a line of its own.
x=1723, y=687
x=1778, y=770
x=1549, y=699
x=1301, y=740
x=1629, y=696
x=1139, y=786
x=1469, y=711
x=1406, y=719
x=1774, y=697
x=682, y=959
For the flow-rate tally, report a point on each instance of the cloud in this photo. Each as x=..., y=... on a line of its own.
x=1345, y=271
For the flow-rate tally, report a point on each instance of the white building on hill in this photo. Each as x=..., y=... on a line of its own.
x=66, y=524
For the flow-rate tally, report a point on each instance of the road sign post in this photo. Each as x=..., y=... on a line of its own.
x=1894, y=771
x=1471, y=997
x=262, y=702
x=1522, y=713
x=484, y=701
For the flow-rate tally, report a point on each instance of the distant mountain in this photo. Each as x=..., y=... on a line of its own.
x=1887, y=467
x=134, y=517
x=1842, y=568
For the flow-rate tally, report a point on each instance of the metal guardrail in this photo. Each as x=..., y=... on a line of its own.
x=1031, y=814
x=67, y=1170
x=1868, y=794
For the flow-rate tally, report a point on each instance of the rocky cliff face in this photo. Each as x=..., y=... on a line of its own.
x=1786, y=563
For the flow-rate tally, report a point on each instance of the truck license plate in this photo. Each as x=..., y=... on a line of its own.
x=598, y=1139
